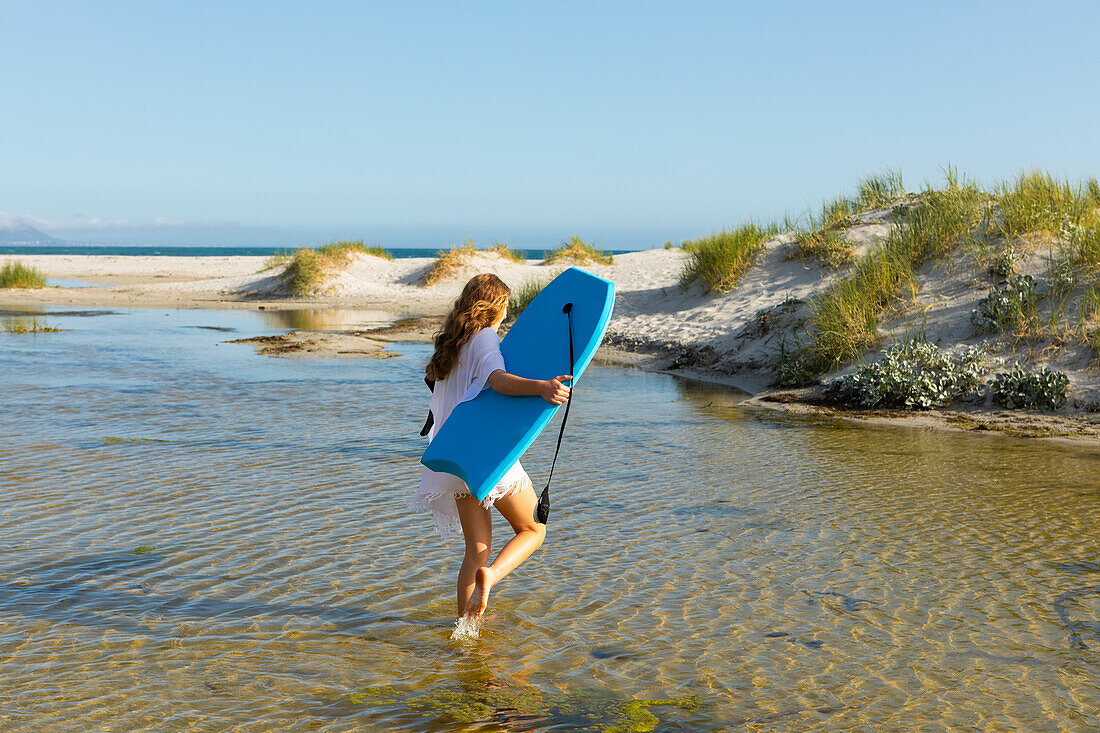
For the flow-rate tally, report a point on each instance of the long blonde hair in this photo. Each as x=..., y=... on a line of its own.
x=482, y=301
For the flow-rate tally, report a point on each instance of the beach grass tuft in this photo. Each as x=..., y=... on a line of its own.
x=845, y=316
x=502, y=249
x=278, y=259
x=522, y=296
x=818, y=238
x=307, y=268
x=578, y=252
x=1038, y=203
x=1084, y=248
x=1093, y=189
x=381, y=252
x=450, y=261
x=19, y=275
x=1090, y=302
x=722, y=259
x=827, y=246
x=838, y=212
x=880, y=189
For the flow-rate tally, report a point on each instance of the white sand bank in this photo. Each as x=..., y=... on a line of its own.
x=736, y=338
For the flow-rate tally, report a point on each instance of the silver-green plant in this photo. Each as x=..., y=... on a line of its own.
x=1006, y=307
x=914, y=375
x=1044, y=389
x=1004, y=264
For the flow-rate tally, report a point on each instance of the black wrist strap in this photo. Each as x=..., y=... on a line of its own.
x=542, y=511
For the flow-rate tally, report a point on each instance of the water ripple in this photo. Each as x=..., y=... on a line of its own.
x=202, y=538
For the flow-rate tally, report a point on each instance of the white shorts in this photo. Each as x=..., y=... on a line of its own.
x=438, y=491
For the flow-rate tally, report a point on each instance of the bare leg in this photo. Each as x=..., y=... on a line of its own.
x=519, y=509
x=477, y=529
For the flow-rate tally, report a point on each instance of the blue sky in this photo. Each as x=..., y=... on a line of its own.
x=626, y=122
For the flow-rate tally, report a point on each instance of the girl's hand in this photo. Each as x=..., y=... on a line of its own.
x=554, y=392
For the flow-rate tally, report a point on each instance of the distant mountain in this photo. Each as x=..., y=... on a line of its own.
x=22, y=234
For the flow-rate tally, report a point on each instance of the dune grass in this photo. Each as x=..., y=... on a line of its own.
x=1090, y=301
x=522, y=296
x=18, y=275
x=1038, y=203
x=818, y=238
x=578, y=252
x=277, y=260
x=381, y=252
x=502, y=249
x=307, y=268
x=837, y=212
x=450, y=261
x=827, y=246
x=722, y=259
x=880, y=189
x=845, y=316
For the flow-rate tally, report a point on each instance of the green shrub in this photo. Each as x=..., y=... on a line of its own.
x=579, y=252
x=1006, y=307
x=794, y=369
x=1004, y=264
x=19, y=275
x=913, y=375
x=1045, y=389
x=722, y=259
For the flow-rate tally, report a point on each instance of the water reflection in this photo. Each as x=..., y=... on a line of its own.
x=326, y=319
x=191, y=527
x=64, y=282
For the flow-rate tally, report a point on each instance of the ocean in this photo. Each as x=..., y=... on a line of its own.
x=212, y=251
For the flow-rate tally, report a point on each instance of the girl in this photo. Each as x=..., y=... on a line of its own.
x=467, y=359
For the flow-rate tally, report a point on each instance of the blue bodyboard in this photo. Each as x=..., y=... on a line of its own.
x=483, y=437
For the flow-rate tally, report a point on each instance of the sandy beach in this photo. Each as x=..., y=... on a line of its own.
x=734, y=339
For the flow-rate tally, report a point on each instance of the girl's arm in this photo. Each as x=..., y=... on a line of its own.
x=551, y=390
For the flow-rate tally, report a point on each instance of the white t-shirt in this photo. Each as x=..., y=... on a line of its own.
x=477, y=359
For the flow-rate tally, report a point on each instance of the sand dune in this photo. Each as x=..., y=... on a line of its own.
x=736, y=338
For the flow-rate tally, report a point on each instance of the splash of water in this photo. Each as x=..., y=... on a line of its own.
x=466, y=629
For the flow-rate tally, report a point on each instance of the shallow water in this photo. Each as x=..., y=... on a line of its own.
x=200, y=538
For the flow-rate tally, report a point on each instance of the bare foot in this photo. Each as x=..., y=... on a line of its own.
x=479, y=599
